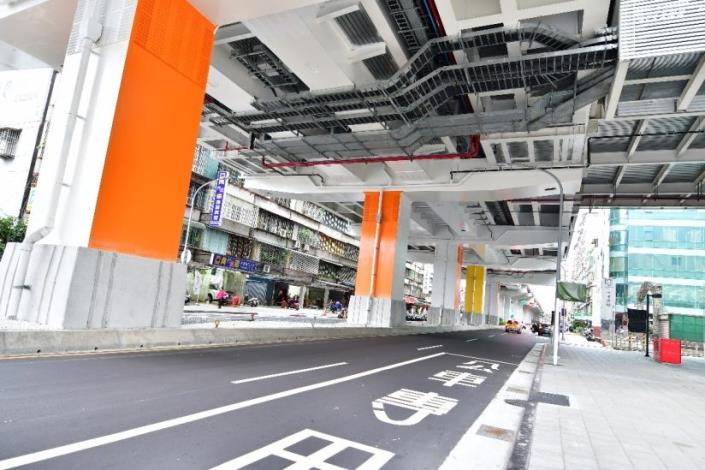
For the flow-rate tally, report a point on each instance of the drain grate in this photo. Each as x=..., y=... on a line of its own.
x=496, y=433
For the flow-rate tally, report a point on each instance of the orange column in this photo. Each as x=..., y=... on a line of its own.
x=388, y=248
x=145, y=179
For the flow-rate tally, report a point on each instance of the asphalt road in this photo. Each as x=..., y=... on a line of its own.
x=181, y=409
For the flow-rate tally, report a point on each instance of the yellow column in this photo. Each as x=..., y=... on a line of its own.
x=475, y=289
x=478, y=302
x=469, y=288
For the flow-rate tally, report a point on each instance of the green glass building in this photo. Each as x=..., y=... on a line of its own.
x=665, y=247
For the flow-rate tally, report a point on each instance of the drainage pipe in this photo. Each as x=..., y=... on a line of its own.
x=91, y=32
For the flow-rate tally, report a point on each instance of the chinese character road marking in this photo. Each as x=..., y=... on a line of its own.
x=452, y=377
x=481, y=366
x=376, y=460
x=424, y=404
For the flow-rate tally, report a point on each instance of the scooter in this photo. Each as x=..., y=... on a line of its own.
x=252, y=302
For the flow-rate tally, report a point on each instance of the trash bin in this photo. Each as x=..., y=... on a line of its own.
x=669, y=351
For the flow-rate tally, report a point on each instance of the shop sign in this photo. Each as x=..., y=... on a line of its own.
x=217, y=210
x=232, y=262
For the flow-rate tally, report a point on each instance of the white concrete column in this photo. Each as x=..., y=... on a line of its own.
x=104, y=231
x=445, y=292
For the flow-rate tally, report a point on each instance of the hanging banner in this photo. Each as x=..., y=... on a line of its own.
x=572, y=291
x=217, y=210
x=609, y=299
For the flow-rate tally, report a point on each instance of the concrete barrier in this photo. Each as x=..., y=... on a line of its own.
x=33, y=343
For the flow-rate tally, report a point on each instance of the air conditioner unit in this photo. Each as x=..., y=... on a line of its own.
x=266, y=268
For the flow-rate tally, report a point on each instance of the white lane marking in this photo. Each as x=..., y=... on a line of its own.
x=483, y=359
x=170, y=423
x=430, y=347
x=291, y=372
x=490, y=336
x=503, y=333
x=474, y=339
x=376, y=460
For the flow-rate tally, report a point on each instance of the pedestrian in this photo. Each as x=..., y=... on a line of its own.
x=221, y=296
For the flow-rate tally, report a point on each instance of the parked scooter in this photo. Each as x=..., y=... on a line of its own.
x=251, y=302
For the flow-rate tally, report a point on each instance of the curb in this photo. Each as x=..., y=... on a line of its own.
x=491, y=439
x=39, y=343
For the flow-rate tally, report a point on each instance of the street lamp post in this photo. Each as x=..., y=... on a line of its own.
x=556, y=317
x=185, y=258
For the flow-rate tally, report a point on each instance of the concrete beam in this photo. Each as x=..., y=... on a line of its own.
x=688, y=139
x=638, y=189
x=500, y=236
x=616, y=89
x=692, y=87
x=634, y=142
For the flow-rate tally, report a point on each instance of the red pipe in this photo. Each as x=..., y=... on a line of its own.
x=472, y=153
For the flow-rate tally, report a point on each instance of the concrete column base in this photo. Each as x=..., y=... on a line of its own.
x=375, y=311
x=81, y=288
x=443, y=317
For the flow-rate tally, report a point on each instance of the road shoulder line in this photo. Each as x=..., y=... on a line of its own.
x=499, y=422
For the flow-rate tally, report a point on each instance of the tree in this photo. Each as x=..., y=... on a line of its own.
x=11, y=230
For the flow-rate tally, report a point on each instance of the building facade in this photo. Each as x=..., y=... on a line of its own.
x=266, y=248
x=666, y=248
x=23, y=98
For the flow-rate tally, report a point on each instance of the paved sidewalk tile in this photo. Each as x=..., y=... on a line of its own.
x=627, y=413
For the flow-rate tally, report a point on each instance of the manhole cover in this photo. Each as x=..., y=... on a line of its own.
x=496, y=433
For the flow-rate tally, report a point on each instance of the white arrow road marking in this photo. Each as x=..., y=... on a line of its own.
x=170, y=423
x=483, y=359
x=291, y=372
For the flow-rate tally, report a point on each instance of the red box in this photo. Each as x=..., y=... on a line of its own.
x=667, y=350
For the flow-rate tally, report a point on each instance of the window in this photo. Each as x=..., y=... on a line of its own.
x=8, y=142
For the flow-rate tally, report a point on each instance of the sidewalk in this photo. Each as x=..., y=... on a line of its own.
x=626, y=412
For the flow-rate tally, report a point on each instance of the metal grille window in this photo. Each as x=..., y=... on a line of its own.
x=239, y=246
x=275, y=224
x=304, y=263
x=200, y=201
x=8, y=142
x=270, y=254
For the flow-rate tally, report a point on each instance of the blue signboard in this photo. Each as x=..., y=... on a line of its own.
x=232, y=262
x=217, y=210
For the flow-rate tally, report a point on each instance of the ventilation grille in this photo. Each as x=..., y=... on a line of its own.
x=358, y=27
x=382, y=66
x=177, y=34
x=649, y=28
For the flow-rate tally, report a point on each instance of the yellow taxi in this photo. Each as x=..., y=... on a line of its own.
x=512, y=326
